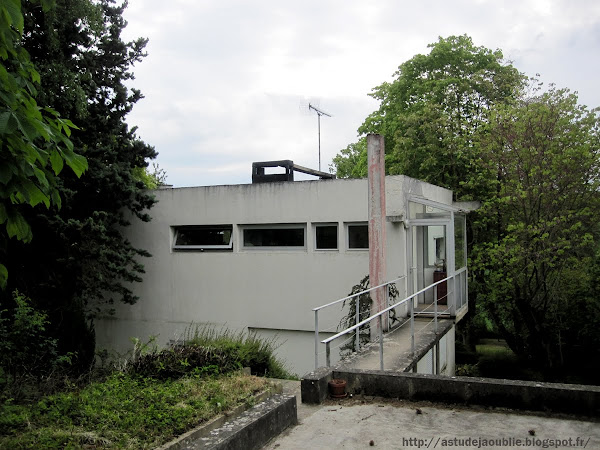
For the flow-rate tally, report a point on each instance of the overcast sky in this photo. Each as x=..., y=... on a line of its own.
x=225, y=81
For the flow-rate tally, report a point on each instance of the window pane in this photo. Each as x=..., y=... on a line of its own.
x=327, y=237
x=204, y=236
x=435, y=236
x=419, y=211
x=274, y=237
x=358, y=236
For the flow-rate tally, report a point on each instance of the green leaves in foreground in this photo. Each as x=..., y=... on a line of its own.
x=34, y=141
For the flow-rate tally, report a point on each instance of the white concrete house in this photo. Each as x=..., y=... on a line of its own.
x=261, y=256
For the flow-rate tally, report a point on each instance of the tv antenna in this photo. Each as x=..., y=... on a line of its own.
x=319, y=114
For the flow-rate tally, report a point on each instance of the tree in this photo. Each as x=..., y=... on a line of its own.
x=537, y=252
x=34, y=143
x=351, y=162
x=152, y=179
x=79, y=256
x=462, y=118
x=428, y=115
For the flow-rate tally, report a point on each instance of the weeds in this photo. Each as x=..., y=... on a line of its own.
x=123, y=412
x=148, y=398
x=29, y=359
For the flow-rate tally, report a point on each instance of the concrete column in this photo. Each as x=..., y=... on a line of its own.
x=377, y=239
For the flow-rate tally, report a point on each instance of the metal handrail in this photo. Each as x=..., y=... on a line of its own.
x=341, y=333
x=318, y=308
x=379, y=317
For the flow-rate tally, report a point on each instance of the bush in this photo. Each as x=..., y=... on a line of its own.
x=182, y=360
x=27, y=352
x=207, y=351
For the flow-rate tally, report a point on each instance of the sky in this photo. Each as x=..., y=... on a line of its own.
x=228, y=82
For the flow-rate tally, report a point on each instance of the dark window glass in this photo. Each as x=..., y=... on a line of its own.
x=274, y=237
x=358, y=236
x=204, y=237
x=327, y=237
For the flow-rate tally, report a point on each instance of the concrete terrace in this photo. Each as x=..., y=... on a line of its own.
x=387, y=409
x=364, y=421
x=536, y=415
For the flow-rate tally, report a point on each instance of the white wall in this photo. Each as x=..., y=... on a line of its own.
x=258, y=288
x=428, y=364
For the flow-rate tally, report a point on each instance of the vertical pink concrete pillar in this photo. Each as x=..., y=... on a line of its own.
x=377, y=240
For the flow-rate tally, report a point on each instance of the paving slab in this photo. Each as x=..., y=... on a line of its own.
x=395, y=424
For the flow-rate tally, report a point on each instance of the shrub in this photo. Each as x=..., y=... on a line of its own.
x=27, y=352
x=207, y=351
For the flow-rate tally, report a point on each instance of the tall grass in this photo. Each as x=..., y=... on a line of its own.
x=246, y=349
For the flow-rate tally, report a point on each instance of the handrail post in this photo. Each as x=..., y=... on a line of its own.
x=387, y=305
x=328, y=354
x=316, y=339
x=357, y=332
x=380, y=343
x=435, y=308
x=412, y=325
x=452, y=306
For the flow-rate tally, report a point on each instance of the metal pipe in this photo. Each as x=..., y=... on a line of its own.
x=316, y=339
x=387, y=304
x=373, y=317
x=328, y=355
x=380, y=343
x=412, y=326
x=319, y=121
x=359, y=293
x=357, y=332
x=435, y=310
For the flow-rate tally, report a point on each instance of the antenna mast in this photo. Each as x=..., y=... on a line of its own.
x=319, y=114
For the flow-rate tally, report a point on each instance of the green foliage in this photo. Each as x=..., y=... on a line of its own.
x=462, y=118
x=206, y=351
x=351, y=162
x=537, y=230
x=34, y=139
x=122, y=412
x=493, y=359
x=157, y=395
x=152, y=179
x=26, y=349
x=242, y=349
x=184, y=360
x=429, y=114
x=80, y=260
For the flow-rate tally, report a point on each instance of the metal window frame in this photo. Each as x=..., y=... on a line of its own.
x=272, y=226
x=202, y=247
x=326, y=224
x=347, y=226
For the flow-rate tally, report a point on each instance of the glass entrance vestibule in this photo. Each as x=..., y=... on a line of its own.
x=437, y=252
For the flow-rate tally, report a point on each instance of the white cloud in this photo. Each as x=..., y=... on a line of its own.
x=223, y=81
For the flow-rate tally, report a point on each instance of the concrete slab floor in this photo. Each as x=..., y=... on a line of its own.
x=397, y=354
x=397, y=424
